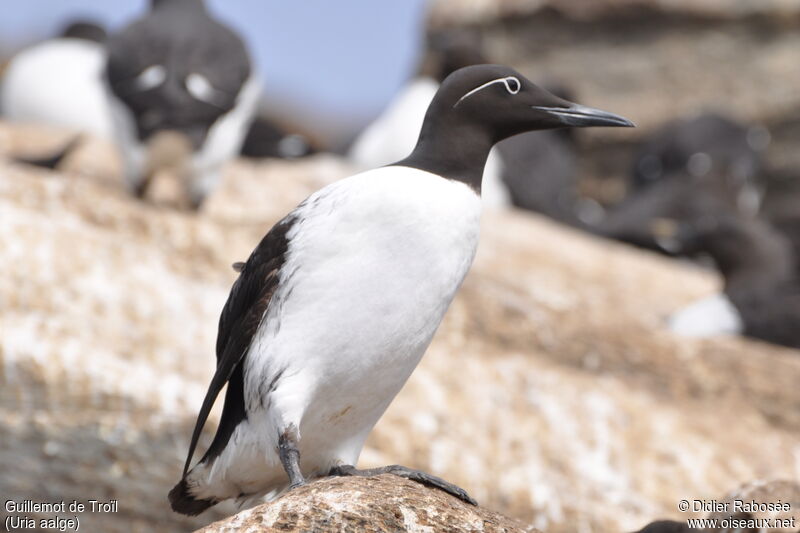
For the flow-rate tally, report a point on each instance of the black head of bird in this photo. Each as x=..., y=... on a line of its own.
x=502, y=102
x=478, y=106
x=177, y=68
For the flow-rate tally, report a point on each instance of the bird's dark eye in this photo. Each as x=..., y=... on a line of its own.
x=513, y=85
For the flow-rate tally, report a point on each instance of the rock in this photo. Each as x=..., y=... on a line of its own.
x=374, y=505
x=453, y=12
x=553, y=391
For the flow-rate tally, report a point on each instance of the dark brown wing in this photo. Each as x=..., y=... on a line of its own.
x=239, y=321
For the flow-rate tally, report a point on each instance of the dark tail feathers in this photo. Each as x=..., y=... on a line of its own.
x=183, y=502
x=52, y=160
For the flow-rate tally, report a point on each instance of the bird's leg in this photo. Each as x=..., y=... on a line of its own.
x=290, y=456
x=140, y=188
x=408, y=473
x=195, y=201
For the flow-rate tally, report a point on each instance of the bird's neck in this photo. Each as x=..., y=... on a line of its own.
x=455, y=151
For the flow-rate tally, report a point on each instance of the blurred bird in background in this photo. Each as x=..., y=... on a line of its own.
x=177, y=69
x=761, y=295
x=683, y=170
x=59, y=82
x=265, y=138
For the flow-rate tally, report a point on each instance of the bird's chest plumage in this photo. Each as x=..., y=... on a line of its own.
x=372, y=265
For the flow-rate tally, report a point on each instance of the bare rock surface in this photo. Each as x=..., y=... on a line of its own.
x=451, y=12
x=382, y=504
x=552, y=392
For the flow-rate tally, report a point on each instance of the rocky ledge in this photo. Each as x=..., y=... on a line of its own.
x=374, y=505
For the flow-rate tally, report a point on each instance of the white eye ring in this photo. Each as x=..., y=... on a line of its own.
x=151, y=77
x=512, y=85
x=200, y=88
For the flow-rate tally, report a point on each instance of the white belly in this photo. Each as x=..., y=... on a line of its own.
x=373, y=263
x=58, y=82
x=714, y=315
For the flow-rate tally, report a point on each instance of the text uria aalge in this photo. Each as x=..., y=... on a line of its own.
x=739, y=506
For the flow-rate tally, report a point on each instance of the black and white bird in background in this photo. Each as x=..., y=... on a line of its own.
x=699, y=144
x=267, y=139
x=700, y=164
x=59, y=82
x=761, y=295
x=337, y=304
x=179, y=70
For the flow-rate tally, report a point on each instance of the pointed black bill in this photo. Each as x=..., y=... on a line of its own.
x=581, y=116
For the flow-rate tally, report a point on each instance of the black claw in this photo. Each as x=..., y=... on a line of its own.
x=408, y=473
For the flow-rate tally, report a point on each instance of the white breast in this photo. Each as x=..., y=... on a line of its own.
x=714, y=315
x=373, y=263
x=58, y=82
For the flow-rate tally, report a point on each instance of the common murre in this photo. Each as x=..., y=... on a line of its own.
x=761, y=296
x=700, y=144
x=646, y=217
x=689, y=167
x=178, y=69
x=59, y=82
x=336, y=305
x=265, y=138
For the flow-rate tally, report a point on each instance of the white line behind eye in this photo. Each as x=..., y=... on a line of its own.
x=505, y=81
x=199, y=87
x=151, y=77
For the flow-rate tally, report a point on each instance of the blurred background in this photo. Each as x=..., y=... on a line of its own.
x=316, y=67
x=629, y=333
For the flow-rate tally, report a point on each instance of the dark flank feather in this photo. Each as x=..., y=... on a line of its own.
x=239, y=321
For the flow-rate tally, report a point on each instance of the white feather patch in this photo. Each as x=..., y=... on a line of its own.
x=200, y=88
x=151, y=77
x=714, y=315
